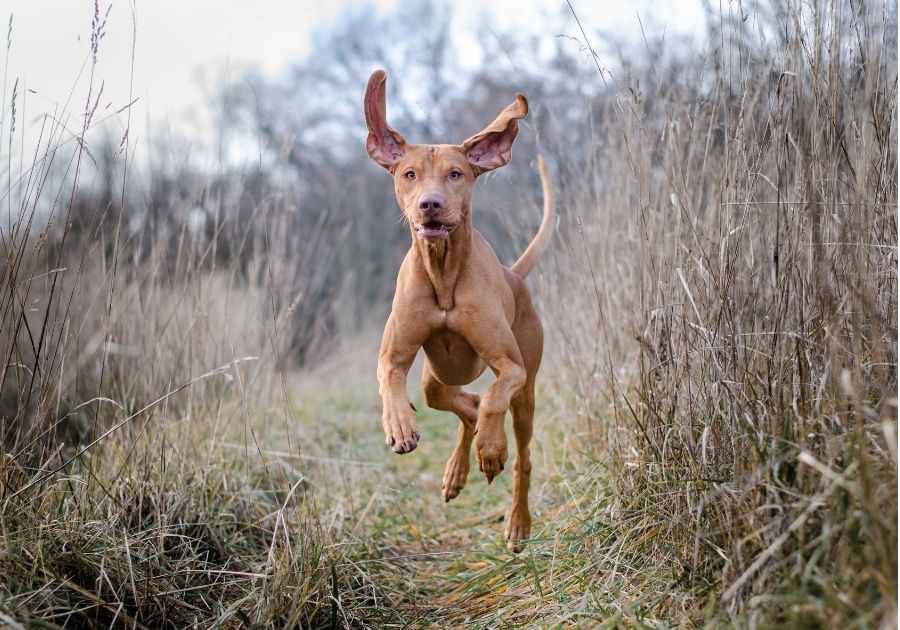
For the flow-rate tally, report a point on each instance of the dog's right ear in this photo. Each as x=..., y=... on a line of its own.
x=384, y=145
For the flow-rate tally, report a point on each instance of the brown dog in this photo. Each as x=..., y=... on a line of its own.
x=456, y=300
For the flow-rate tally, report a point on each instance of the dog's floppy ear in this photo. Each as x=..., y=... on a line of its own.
x=384, y=145
x=492, y=147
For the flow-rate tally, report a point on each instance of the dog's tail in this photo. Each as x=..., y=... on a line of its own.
x=527, y=260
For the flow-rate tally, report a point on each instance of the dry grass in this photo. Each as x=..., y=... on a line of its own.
x=717, y=438
x=746, y=421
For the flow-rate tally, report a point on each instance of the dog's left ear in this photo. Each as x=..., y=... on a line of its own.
x=492, y=147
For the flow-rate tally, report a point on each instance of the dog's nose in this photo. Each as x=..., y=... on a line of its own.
x=431, y=203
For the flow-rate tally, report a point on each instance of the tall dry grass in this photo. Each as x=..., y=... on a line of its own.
x=145, y=337
x=725, y=314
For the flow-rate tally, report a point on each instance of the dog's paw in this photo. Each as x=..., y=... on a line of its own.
x=518, y=529
x=400, y=430
x=490, y=449
x=455, y=475
x=403, y=446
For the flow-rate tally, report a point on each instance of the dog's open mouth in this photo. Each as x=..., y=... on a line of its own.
x=433, y=229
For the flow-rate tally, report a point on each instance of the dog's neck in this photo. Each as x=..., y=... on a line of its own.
x=442, y=260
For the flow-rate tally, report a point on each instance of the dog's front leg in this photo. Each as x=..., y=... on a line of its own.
x=398, y=350
x=496, y=345
x=490, y=434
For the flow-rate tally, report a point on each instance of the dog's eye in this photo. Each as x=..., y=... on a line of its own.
x=409, y=175
x=454, y=175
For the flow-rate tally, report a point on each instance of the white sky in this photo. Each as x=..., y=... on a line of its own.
x=181, y=48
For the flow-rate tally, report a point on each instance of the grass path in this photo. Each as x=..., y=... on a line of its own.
x=438, y=563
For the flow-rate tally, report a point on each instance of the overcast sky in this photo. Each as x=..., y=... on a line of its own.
x=181, y=49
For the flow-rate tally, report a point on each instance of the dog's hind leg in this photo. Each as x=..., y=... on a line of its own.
x=530, y=336
x=465, y=406
x=518, y=521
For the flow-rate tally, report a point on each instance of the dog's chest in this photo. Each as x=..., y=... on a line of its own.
x=453, y=360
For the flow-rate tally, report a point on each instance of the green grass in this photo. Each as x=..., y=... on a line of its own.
x=429, y=555
x=446, y=564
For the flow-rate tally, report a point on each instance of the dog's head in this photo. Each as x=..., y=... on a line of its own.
x=434, y=182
